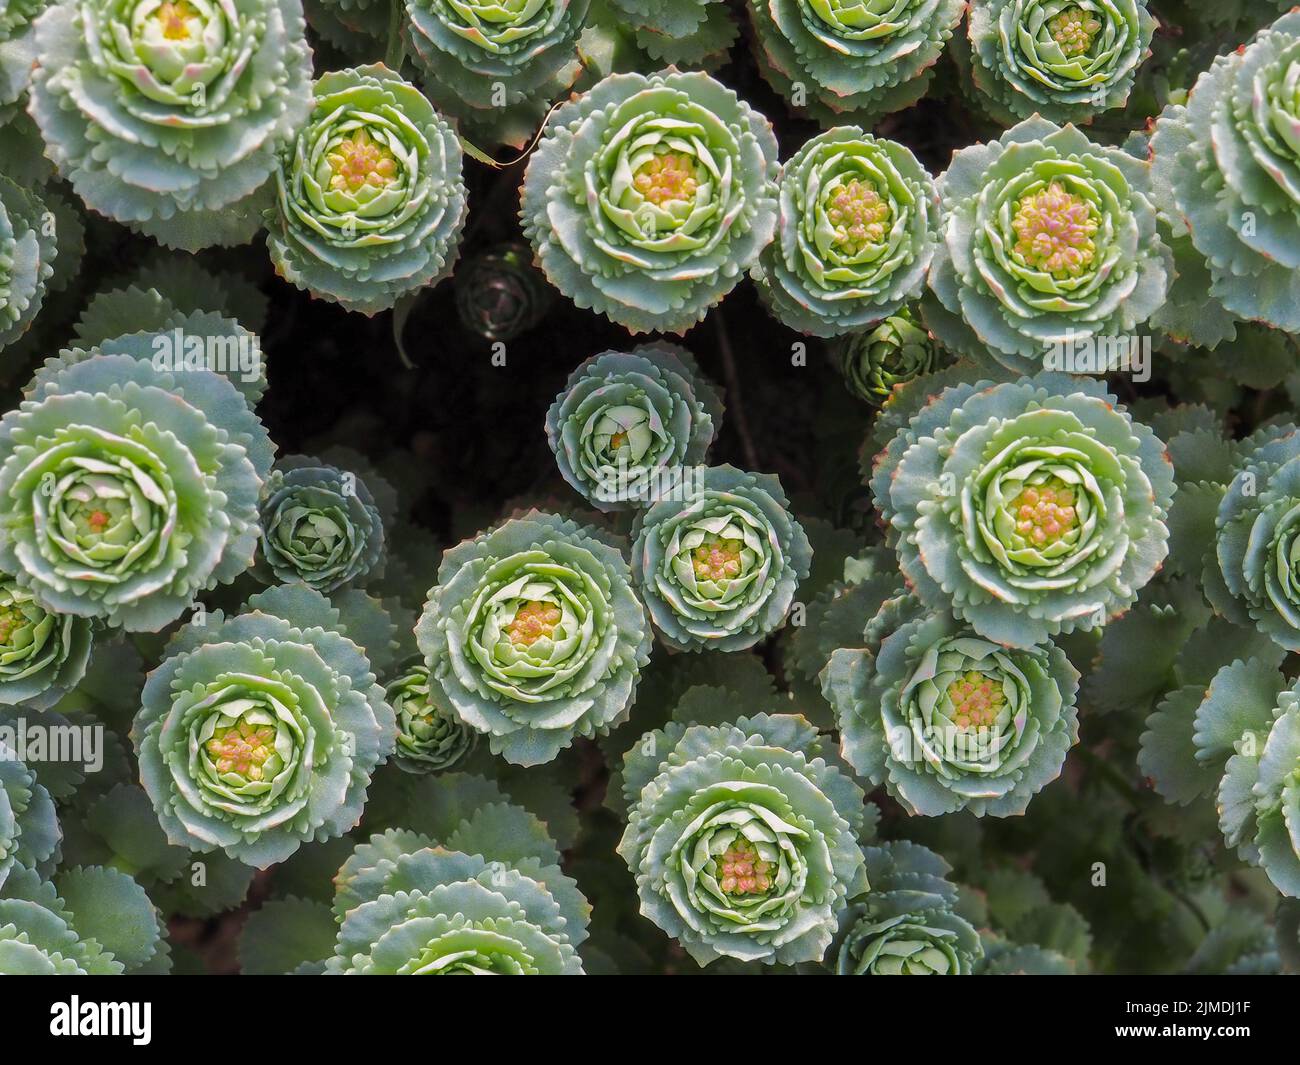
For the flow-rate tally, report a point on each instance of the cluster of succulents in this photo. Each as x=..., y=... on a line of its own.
x=920, y=597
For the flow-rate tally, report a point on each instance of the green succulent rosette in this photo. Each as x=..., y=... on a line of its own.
x=875, y=361
x=946, y=719
x=167, y=116
x=859, y=224
x=533, y=635
x=28, y=249
x=1228, y=168
x=649, y=197
x=1257, y=543
x=259, y=732
x=1066, y=60
x=718, y=561
x=1050, y=242
x=43, y=655
x=430, y=737
x=370, y=203
x=17, y=47
x=628, y=422
x=320, y=525
x=906, y=925
x=500, y=294
x=487, y=899
x=497, y=66
x=743, y=838
x=1236, y=741
x=131, y=475
x=29, y=826
x=91, y=921
x=852, y=60
x=1029, y=508
x=681, y=33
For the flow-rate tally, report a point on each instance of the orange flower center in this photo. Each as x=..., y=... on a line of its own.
x=1045, y=513
x=532, y=621
x=242, y=749
x=670, y=176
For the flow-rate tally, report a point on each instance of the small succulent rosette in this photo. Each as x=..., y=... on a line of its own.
x=29, y=826
x=683, y=33
x=496, y=67
x=259, y=732
x=1237, y=742
x=430, y=736
x=849, y=61
x=743, y=838
x=718, y=561
x=534, y=636
x=91, y=921
x=43, y=654
x=487, y=898
x=370, y=202
x=897, y=350
x=1257, y=543
x=906, y=924
x=1066, y=60
x=627, y=423
x=1050, y=246
x=1228, y=168
x=650, y=196
x=1029, y=508
x=167, y=116
x=28, y=249
x=946, y=719
x=131, y=473
x=859, y=224
x=500, y=294
x=17, y=48
x=320, y=526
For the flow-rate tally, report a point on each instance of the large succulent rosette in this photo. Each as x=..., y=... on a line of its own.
x=875, y=361
x=534, y=635
x=1050, y=243
x=852, y=60
x=430, y=737
x=627, y=423
x=718, y=561
x=858, y=227
x=497, y=66
x=43, y=654
x=743, y=838
x=1029, y=509
x=17, y=47
x=1257, y=543
x=27, y=252
x=320, y=525
x=649, y=197
x=369, y=198
x=946, y=719
x=167, y=114
x=487, y=898
x=131, y=477
x=260, y=731
x=1236, y=741
x=1063, y=59
x=905, y=926
x=29, y=827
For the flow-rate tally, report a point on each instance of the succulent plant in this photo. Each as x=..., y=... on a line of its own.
x=743, y=838
x=369, y=198
x=28, y=250
x=1063, y=59
x=1029, y=509
x=718, y=561
x=627, y=423
x=132, y=473
x=852, y=60
x=649, y=197
x=168, y=116
x=534, y=636
x=1050, y=244
x=875, y=361
x=500, y=294
x=946, y=719
x=683, y=33
x=43, y=654
x=430, y=737
x=906, y=926
x=1227, y=165
x=858, y=227
x=29, y=826
x=259, y=732
x=17, y=47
